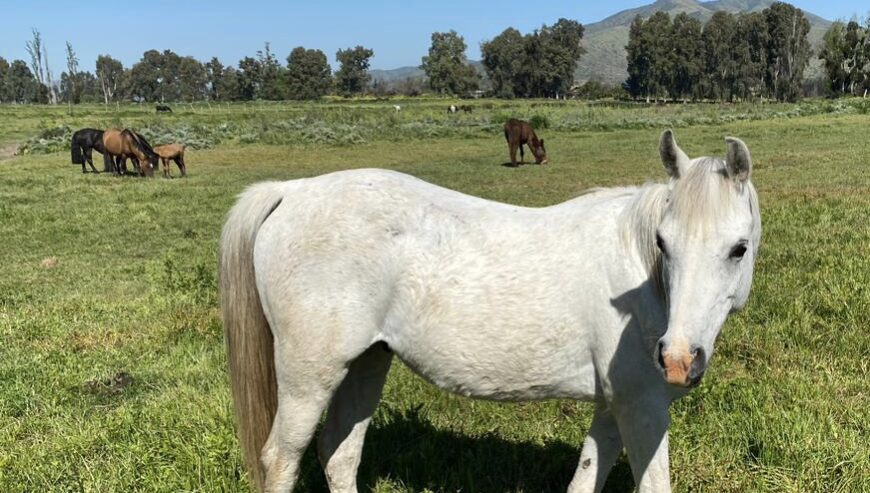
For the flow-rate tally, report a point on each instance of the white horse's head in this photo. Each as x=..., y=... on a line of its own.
x=708, y=238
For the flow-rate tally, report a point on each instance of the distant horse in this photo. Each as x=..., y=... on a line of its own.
x=397, y=108
x=452, y=109
x=519, y=133
x=82, y=144
x=162, y=108
x=466, y=108
x=123, y=144
x=172, y=152
x=615, y=297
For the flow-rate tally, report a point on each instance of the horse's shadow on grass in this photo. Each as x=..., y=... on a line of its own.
x=409, y=451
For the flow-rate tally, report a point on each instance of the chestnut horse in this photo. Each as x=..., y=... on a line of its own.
x=172, y=152
x=123, y=144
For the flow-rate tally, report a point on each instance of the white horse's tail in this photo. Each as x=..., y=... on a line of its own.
x=249, y=339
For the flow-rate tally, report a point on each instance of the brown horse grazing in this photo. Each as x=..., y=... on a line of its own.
x=123, y=144
x=173, y=152
x=519, y=133
x=466, y=108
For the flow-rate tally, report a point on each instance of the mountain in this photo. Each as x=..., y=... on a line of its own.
x=391, y=76
x=396, y=74
x=605, y=40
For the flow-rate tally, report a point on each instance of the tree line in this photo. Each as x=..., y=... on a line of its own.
x=538, y=64
x=731, y=57
x=168, y=77
x=846, y=57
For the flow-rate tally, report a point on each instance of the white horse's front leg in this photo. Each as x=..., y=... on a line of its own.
x=600, y=449
x=643, y=426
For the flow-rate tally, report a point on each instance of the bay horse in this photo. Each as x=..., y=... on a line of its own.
x=123, y=144
x=82, y=145
x=171, y=152
x=615, y=297
x=519, y=133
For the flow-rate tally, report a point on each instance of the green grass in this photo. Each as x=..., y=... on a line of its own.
x=784, y=406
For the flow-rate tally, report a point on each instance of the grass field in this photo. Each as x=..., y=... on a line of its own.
x=112, y=364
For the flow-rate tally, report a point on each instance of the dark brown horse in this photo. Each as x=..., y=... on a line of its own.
x=123, y=144
x=172, y=152
x=519, y=133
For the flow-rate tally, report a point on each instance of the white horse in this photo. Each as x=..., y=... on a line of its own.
x=397, y=108
x=615, y=297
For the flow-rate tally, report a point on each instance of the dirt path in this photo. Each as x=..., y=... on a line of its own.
x=7, y=151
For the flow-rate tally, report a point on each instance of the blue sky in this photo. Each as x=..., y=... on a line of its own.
x=398, y=31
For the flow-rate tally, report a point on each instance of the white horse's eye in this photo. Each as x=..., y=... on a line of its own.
x=661, y=244
x=738, y=251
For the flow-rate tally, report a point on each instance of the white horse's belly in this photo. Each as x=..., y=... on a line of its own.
x=486, y=365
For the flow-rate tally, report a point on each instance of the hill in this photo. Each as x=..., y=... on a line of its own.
x=605, y=40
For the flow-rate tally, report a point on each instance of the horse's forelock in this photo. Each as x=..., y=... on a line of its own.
x=704, y=195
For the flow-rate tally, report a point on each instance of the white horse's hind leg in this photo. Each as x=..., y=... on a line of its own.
x=341, y=441
x=304, y=390
x=600, y=450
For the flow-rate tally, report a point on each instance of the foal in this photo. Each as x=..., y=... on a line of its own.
x=519, y=133
x=172, y=152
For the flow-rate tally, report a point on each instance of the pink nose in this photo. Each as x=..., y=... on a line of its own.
x=681, y=367
x=677, y=368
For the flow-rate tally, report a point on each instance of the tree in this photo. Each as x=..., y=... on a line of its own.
x=308, y=74
x=5, y=94
x=718, y=38
x=214, y=74
x=353, y=76
x=540, y=64
x=658, y=30
x=110, y=73
x=560, y=49
x=639, y=55
x=273, y=81
x=72, y=94
x=249, y=78
x=447, y=67
x=750, y=55
x=145, y=82
x=23, y=86
x=855, y=55
x=503, y=58
x=192, y=82
x=788, y=50
x=39, y=64
x=229, y=85
x=688, y=57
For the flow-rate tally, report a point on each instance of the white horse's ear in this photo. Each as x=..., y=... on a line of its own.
x=738, y=162
x=675, y=161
